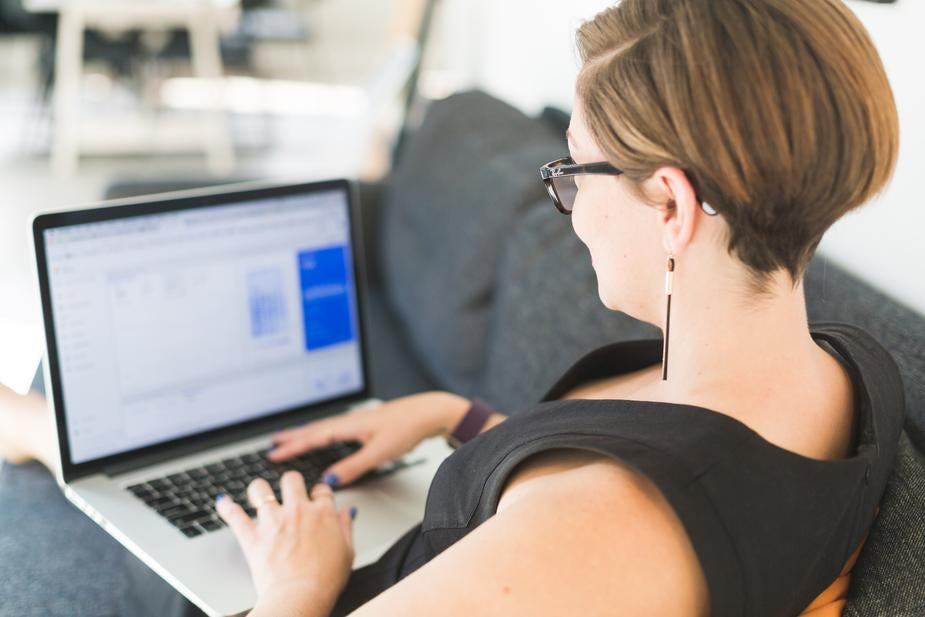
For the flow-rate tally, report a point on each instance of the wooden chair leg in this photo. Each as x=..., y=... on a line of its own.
x=207, y=65
x=68, y=67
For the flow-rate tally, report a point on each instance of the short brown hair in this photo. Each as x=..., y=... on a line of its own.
x=779, y=111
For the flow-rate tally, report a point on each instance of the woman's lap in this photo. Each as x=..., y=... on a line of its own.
x=55, y=561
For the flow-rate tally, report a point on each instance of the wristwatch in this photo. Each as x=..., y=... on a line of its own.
x=471, y=423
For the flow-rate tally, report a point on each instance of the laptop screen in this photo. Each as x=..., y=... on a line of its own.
x=172, y=324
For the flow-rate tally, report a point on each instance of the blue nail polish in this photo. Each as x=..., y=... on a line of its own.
x=331, y=479
x=353, y=512
x=219, y=498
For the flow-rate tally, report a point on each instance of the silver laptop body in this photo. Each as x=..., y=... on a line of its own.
x=182, y=331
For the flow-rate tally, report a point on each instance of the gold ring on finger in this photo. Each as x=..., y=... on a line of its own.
x=321, y=489
x=271, y=498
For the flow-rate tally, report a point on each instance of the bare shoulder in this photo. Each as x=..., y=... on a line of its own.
x=596, y=539
x=621, y=521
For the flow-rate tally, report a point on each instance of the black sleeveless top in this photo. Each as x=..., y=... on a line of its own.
x=771, y=528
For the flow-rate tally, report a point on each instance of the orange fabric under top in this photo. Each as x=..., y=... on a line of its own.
x=831, y=602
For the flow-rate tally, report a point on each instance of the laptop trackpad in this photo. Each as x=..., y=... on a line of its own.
x=389, y=506
x=380, y=521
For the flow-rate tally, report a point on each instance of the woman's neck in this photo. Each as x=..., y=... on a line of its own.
x=722, y=344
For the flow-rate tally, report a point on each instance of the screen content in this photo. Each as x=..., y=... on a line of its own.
x=176, y=323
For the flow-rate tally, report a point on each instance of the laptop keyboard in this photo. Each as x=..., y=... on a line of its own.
x=187, y=499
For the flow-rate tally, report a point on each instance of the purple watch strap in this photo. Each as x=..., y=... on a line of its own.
x=472, y=422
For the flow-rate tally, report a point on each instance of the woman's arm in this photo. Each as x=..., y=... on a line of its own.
x=454, y=410
x=495, y=419
x=300, y=551
x=387, y=431
x=594, y=540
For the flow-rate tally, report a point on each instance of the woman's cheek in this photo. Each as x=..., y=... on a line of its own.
x=577, y=219
x=582, y=214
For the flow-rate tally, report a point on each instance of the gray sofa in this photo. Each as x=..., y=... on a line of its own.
x=478, y=286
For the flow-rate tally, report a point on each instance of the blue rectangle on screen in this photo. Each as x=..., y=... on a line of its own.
x=326, y=302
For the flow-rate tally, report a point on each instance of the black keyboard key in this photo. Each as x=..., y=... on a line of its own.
x=160, y=484
x=191, y=517
x=184, y=495
x=140, y=488
x=210, y=498
x=211, y=525
x=187, y=499
x=209, y=490
x=240, y=473
x=155, y=502
x=248, y=475
x=174, y=511
x=297, y=463
x=185, y=492
x=260, y=465
x=167, y=505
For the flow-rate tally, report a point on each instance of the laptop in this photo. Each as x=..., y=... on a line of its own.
x=182, y=331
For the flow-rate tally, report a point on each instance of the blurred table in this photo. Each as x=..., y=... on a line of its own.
x=203, y=19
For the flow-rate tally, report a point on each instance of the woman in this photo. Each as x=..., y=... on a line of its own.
x=711, y=144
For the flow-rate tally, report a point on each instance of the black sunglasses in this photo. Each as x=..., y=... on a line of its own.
x=559, y=178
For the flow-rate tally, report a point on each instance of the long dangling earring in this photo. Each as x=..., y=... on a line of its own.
x=669, y=272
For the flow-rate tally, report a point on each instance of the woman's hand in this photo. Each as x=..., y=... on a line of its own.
x=300, y=552
x=386, y=431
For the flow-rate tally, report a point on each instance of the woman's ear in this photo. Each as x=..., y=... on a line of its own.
x=679, y=219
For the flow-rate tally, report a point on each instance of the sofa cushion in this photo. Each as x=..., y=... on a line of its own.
x=547, y=311
x=45, y=544
x=394, y=367
x=462, y=180
x=56, y=562
x=889, y=576
x=832, y=294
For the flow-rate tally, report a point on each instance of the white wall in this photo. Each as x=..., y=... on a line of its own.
x=883, y=241
x=523, y=51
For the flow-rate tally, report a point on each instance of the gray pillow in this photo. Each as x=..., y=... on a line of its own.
x=460, y=184
x=889, y=577
x=832, y=294
x=547, y=311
